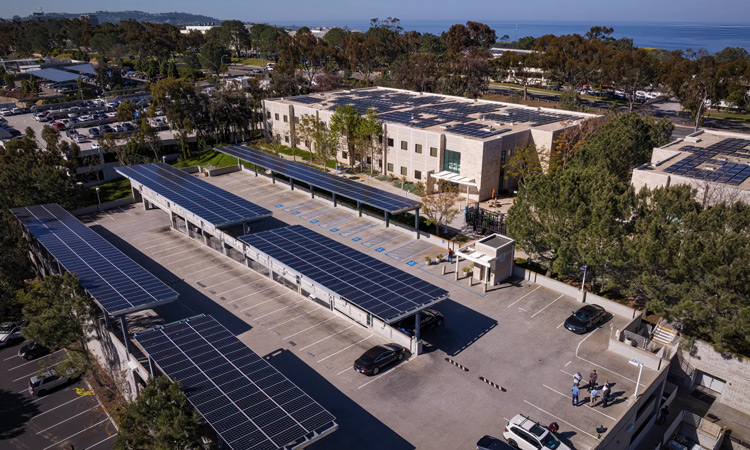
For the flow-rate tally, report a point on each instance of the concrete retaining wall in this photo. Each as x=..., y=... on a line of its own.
x=191, y=169
x=394, y=335
x=105, y=206
x=611, y=306
x=650, y=360
x=222, y=171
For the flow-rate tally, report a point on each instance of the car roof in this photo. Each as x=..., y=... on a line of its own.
x=591, y=308
x=527, y=424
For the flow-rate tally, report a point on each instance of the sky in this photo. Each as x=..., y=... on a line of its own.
x=735, y=12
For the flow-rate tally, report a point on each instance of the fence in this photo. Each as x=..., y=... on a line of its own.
x=485, y=221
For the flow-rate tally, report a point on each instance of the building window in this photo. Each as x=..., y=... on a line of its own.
x=390, y=142
x=286, y=119
x=268, y=115
x=418, y=174
x=433, y=151
x=296, y=119
x=403, y=170
x=344, y=155
x=452, y=161
x=276, y=116
x=286, y=139
x=404, y=145
x=390, y=167
x=418, y=148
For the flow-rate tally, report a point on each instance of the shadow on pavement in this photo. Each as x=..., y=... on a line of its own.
x=15, y=411
x=357, y=428
x=463, y=326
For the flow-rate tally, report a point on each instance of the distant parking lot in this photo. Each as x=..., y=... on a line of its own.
x=68, y=415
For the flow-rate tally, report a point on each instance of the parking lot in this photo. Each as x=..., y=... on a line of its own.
x=512, y=336
x=65, y=416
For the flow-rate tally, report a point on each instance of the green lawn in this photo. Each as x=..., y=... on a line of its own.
x=207, y=158
x=731, y=116
x=250, y=61
x=112, y=190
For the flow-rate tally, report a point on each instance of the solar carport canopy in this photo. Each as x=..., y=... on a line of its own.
x=249, y=403
x=362, y=193
x=88, y=68
x=212, y=204
x=55, y=75
x=378, y=288
x=116, y=282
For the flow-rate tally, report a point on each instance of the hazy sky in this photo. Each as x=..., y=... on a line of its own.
x=308, y=11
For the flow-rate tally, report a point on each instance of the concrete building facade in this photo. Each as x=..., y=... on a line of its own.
x=429, y=133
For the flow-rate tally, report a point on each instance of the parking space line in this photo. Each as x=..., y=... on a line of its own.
x=386, y=373
x=58, y=406
x=227, y=281
x=10, y=357
x=548, y=305
x=203, y=270
x=563, y=421
x=202, y=261
x=588, y=406
x=103, y=440
x=308, y=328
x=345, y=348
x=524, y=296
x=34, y=373
x=157, y=245
x=122, y=210
x=153, y=255
x=600, y=366
x=30, y=362
x=71, y=417
x=272, y=298
x=248, y=295
x=293, y=318
x=327, y=337
x=347, y=369
x=280, y=309
x=160, y=238
x=561, y=324
x=213, y=275
x=76, y=434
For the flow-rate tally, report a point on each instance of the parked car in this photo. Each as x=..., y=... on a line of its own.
x=430, y=318
x=6, y=112
x=118, y=128
x=586, y=318
x=41, y=385
x=492, y=443
x=106, y=129
x=79, y=139
x=59, y=126
x=94, y=132
x=31, y=350
x=39, y=117
x=378, y=357
x=526, y=434
x=96, y=146
x=9, y=332
x=128, y=126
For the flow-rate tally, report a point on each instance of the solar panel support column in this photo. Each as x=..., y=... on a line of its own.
x=387, y=219
x=334, y=200
x=291, y=183
x=273, y=178
x=126, y=340
x=150, y=367
x=107, y=323
x=417, y=331
x=359, y=208
x=312, y=191
x=416, y=221
x=256, y=170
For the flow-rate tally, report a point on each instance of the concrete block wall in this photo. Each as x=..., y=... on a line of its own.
x=734, y=369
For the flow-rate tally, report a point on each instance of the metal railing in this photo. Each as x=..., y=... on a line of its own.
x=484, y=221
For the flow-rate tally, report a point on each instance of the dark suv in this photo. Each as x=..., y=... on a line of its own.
x=430, y=318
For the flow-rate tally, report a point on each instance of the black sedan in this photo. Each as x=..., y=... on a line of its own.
x=378, y=357
x=430, y=318
x=586, y=318
x=32, y=350
x=491, y=443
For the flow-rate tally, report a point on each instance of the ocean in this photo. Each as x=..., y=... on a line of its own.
x=668, y=36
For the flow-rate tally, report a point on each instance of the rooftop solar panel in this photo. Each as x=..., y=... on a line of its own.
x=88, y=69
x=249, y=403
x=55, y=75
x=116, y=282
x=372, y=285
x=363, y=193
x=212, y=204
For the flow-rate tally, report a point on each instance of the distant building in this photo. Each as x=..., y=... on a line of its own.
x=91, y=19
x=203, y=28
x=715, y=163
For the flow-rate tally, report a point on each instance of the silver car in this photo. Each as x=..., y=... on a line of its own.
x=41, y=385
x=9, y=332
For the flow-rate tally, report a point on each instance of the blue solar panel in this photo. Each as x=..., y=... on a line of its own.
x=212, y=204
x=249, y=403
x=57, y=76
x=363, y=193
x=115, y=281
x=374, y=286
x=88, y=69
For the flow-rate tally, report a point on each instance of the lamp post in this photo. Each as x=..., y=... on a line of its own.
x=98, y=200
x=222, y=60
x=583, y=283
x=635, y=362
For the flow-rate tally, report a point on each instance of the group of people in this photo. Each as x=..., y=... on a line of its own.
x=594, y=389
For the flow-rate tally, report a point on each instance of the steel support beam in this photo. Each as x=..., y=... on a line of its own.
x=416, y=221
x=125, y=338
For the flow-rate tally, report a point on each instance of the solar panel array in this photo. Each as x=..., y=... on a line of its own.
x=249, y=403
x=413, y=118
x=88, y=69
x=535, y=118
x=306, y=99
x=476, y=130
x=363, y=193
x=212, y=204
x=372, y=285
x=723, y=171
x=54, y=75
x=115, y=281
x=739, y=148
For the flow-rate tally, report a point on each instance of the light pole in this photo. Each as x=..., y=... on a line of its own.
x=222, y=61
x=583, y=283
x=635, y=362
x=98, y=200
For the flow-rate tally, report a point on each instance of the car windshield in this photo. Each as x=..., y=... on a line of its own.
x=582, y=316
x=550, y=441
x=537, y=430
x=6, y=327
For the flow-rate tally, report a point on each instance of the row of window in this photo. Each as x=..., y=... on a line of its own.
x=404, y=171
x=417, y=147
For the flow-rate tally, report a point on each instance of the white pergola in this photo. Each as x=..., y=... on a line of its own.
x=456, y=178
x=482, y=259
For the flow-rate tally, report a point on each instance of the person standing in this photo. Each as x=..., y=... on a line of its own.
x=575, y=392
x=663, y=413
x=577, y=378
x=594, y=398
x=450, y=255
x=592, y=380
x=606, y=391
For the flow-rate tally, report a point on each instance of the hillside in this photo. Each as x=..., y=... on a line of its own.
x=175, y=18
